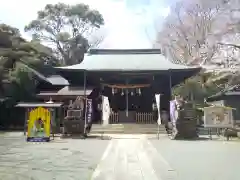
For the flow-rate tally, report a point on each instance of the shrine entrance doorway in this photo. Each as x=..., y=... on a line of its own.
x=133, y=104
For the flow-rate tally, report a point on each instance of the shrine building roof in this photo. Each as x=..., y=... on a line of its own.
x=115, y=65
x=125, y=60
x=67, y=91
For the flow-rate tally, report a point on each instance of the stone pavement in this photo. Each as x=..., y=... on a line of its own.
x=132, y=157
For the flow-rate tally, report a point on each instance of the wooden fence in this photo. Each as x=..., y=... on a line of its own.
x=145, y=118
x=140, y=118
x=114, y=118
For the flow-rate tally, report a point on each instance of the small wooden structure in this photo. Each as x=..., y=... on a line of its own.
x=67, y=95
x=230, y=97
x=44, y=112
x=220, y=118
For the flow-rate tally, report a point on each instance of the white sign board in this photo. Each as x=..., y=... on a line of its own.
x=218, y=116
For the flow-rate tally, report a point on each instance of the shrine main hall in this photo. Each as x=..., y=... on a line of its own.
x=131, y=79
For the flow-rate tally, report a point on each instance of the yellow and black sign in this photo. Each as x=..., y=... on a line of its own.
x=39, y=125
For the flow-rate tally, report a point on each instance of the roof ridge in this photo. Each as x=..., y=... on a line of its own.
x=123, y=51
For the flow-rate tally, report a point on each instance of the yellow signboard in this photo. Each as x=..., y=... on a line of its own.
x=39, y=125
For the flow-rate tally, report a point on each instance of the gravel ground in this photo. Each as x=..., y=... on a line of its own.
x=62, y=159
x=202, y=159
x=76, y=159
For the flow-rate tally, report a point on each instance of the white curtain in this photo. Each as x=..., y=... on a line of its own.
x=105, y=110
x=157, y=97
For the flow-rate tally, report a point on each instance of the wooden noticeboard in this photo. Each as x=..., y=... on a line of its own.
x=218, y=117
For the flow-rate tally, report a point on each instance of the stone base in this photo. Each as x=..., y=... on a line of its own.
x=73, y=126
x=230, y=133
x=185, y=135
x=38, y=139
x=186, y=124
x=184, y=130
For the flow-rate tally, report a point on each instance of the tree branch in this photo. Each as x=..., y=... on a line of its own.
x=231, y=45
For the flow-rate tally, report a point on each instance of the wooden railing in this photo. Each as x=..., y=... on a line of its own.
x=114, y=118
x=145, y=118
x=140, y=118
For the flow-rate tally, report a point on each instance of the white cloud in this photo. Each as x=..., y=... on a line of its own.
x=125, y=25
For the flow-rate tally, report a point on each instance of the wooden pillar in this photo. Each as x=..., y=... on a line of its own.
x=170, y=86
x=127, y=103
x=59, y=112
x=85, y=96
x=53, y=121
x=26, y=121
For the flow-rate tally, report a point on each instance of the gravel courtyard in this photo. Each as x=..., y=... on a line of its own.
x=202, y=159
x=139, y=156
x=63, y=159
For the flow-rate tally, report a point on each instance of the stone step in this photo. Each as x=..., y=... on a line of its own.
x=127, y=126
x=138, y=129
x=128, y=129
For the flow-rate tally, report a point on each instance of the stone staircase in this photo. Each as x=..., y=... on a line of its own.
x=127, y=129
x=137, y=129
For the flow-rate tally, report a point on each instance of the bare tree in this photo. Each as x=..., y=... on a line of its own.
x=231, y=45
x=204, y=33
x=233, y=10
x=192, y=31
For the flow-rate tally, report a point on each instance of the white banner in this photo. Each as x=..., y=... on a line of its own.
x=157, y=97
x=105, y=110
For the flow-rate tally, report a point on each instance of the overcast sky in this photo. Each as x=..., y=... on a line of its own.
x=133, y=21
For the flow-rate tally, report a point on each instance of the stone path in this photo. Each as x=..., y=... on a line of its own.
x=130, y=159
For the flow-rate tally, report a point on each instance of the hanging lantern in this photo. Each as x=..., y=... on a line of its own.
x=113, y=91
x=154, y=106
x=139, y=91
x=122, y=93
x=132, y=93
x=50, y=101
x=100, y=106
